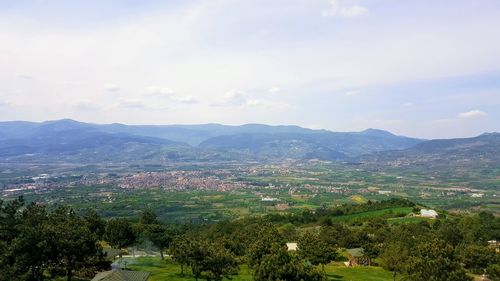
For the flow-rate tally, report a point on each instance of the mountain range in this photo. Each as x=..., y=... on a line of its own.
x=460, y=154
x=73, y=141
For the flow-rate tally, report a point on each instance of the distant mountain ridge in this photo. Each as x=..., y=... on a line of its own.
x=337, y=145
x=68, y=139
x=253, y=141
x=482, y=152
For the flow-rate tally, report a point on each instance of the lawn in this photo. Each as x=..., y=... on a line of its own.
x=339, y=272
x=409, y=220
x=165, y=270
x=390, y=212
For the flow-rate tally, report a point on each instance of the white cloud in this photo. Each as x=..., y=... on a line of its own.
x=351, y=93
x=25, y=76
x=233, y=97
x=111, y=88
x=132, y=103
x=239, y=98
x=168, y=93
x=158, y=91
x=140, y=104
x=189, y=99
x=472, y=114
x=85, y=104
x=336, y=10
x=274, y=90
x=265, y=104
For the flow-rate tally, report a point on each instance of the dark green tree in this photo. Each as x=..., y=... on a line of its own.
x=220, y=263
x=95, y=223
x=38, y=242
x=159, y=235
x=434, y=261
x=29, y=250
x=71, y=241
x=180, y=251
x=280, y=264
x=339, y=236
x=316, y=250
x=493, y=272
x=120, y=234
x=198, y=252
x=394, y=257
x=477, y=258
x=148, y=217
x=267, y=238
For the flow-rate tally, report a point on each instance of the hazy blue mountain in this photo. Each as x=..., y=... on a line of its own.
x=13, y=129
x=479, y=152
x=466, y=146
x=273, y=145
x=76, y=142
x=336, y=144
x=195, y=134
x=252, y=141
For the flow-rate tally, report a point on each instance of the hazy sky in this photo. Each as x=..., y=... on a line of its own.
x=421, y=68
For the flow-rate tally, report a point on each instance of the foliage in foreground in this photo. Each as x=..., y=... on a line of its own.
x=36, y=243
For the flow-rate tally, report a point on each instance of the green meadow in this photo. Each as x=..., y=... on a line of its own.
x=336, y=271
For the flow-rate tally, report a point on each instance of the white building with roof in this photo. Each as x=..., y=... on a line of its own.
x=428, y=213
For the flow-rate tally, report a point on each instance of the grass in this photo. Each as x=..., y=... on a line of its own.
x=166, y=270
x=358, y=199
x=409, y=220
x=360, y=273
x=391, y=212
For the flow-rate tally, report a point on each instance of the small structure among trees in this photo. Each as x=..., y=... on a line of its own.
x=122, y=275
x=357, y=257
x=111, y=253
x=424, y=213
x=291, y=246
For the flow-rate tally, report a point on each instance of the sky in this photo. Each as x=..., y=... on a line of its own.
x=420, y=68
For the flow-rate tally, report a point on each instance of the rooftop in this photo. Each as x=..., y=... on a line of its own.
x=122, y=275
x=356, y=252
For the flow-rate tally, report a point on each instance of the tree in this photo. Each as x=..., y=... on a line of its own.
x=267, y=238
x=71, y=241
x=338, y=235
x=450, y=232
x=280, y=264
x=160, y=236
x=205, y=258
x=119, y=234
x=180, y=251
x=315, y=250
x=493, y=272
x=434, y=261
x=198, y=252
x=477, y=258
x=219, y=263
x=289, y=232
x=35, y=242
x=394, y=257
x=148, y=217
x=95, y=223
x=29, y=250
